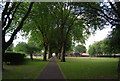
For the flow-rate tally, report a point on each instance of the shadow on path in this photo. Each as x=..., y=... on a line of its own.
x=51, y=71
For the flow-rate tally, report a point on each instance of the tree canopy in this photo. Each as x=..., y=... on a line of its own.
x=80, y=48
x=55, y=26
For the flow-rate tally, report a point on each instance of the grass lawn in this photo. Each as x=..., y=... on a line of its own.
x=30, y=70
x=89, y=68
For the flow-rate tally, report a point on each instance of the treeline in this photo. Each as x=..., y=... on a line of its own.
x=104, y=48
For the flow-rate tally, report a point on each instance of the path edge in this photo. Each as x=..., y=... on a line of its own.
x=42, y=69
x=61, y=70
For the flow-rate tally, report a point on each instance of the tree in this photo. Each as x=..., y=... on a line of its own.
x=91, y=50
x=114, y=38
x=10, y=48
x=96, y=48
x=80, y=49
x=106, y=47
x=14, y=15
x=109, y=11
x=43, y=24
x=70, y=21
x=29, y=48
x=114, y=44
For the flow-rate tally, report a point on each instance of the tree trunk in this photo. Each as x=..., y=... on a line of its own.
x=49, y=55
x=63, y=53
x=5, y=45
x=31, y=56
x=56, y=54
x=59, y=55
x=49, y=52
x=2, y=60
x=45, y=53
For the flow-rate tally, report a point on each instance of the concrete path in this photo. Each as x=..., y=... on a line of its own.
x=51, y=71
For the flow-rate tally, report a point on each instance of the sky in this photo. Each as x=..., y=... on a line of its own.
x=99, y=35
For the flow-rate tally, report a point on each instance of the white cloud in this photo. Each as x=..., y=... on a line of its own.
x=18, y=39
x=100, y=35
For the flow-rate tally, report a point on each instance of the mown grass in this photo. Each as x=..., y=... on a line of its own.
x=29, y=70
x=89, y=68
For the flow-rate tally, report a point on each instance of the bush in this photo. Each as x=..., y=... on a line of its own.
x=13, y=58
x=77, y=54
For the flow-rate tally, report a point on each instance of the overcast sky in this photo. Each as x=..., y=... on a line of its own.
x=99, y=35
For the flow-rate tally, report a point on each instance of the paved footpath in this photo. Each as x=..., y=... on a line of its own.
x=51, y=71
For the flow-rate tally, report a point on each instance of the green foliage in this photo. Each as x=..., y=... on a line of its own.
x=80, y=49
x=56, y=25
x=29, y=48
x=10, y=48
x=114, y=38
x=13, y=58
x=96, y=48
x=91, y=50
x=18, y=15
x=105, y=46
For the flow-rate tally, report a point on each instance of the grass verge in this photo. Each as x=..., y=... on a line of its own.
x=29, y=70
x=89, y=68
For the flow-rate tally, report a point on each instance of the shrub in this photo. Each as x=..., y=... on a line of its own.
x=13, y=58
x=77, y=54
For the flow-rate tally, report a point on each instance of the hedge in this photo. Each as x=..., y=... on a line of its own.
x=13, y=58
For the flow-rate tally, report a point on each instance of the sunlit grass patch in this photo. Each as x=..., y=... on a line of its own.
x=89, y=67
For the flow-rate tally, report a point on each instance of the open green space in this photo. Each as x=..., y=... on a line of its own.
x=29, y=70
x=89, y=68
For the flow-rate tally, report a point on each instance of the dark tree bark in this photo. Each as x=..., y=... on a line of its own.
x=63, y=53
x=59, y=55
x=6, y=22
x=45, y=53
x=49, y=55
x=49, y=52
x=31, y=56
x=5, y=45
x=116, y=11
x=59, y=52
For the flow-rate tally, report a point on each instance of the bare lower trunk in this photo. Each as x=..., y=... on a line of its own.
x=31, y=56
x=49, y=55
x=49, y=52
x=56, y=54
x=59, y=55
x=63, y=54
x=2, y=60
x=3, y=67
x=45, y=54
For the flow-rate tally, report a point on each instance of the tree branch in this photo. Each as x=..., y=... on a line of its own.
x=10, y=20
x=5, y=10
x=21, y=24
x=105, y=15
